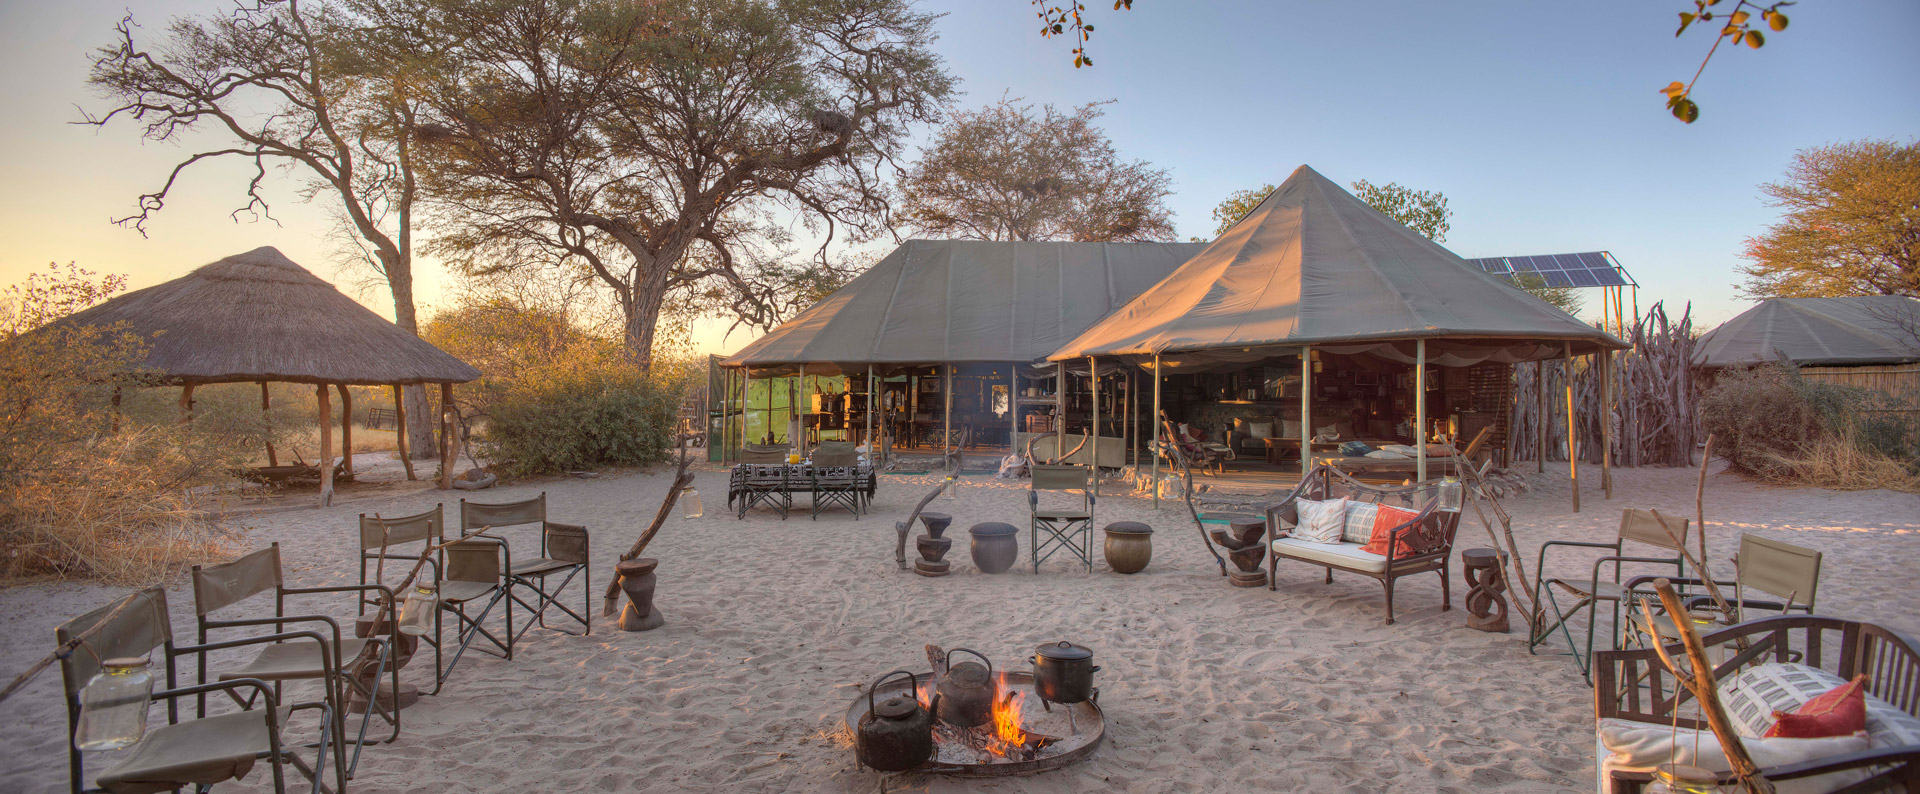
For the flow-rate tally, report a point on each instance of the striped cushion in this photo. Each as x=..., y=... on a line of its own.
x=1752, y=697
x=1360, y=517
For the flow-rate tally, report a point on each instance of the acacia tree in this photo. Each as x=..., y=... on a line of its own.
x=649, y=144
x=284, y=84
x=1005, y=172
x=1424, y=211
x=1851, y=227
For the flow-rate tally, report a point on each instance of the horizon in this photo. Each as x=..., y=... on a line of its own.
x=1540, y=146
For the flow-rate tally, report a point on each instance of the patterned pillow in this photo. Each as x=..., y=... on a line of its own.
x=1321, y=522
x=1360, y=520
x=1757, y=692
x=1383, y=523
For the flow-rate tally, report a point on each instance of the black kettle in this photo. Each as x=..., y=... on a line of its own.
x=897, y=733
x=966, y=692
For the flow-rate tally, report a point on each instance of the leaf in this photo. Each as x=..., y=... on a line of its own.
x=1738, y=36
x=1685, y=20
x=1754, y=39
x=1686, y=111
x=1739, y=18
x=1778, y=22
x=1674, y=89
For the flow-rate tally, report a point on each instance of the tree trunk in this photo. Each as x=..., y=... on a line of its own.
x=420, y=441
x=642, y=315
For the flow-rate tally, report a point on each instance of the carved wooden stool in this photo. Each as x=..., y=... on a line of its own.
x=1486, y=588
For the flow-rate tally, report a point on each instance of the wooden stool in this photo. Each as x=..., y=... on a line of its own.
x=1486, y=588
x=1247, y=550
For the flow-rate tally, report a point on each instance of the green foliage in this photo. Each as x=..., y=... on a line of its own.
x=1768, y=421
x=1424, y=211
x=583, y=412
x=1058, y=20
x=1851, y=224
x=1737, y=27
x=1236, y=206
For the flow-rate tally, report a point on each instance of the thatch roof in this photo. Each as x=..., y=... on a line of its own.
x=258, y=316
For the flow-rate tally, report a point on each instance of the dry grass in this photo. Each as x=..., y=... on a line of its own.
x=307, y=444
x=1842, y=463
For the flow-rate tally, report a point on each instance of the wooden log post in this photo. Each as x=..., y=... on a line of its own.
x=450, y=441
x=186, y=404
x=1306, y=412
x=1540, y=417
x=1153, y=449
x=1419, y=410
x=346, y=429
x=322, y=395
x=1573, y=460
x=1606, y=423
x=266, y=406
x=400, y=428
x=1093, y=379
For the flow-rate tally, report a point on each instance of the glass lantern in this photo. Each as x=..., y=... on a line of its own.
x=1170, y=486
x=416, y=613
x=1450, y=494
x=950, y=486
x=690, y=506
x=113, y=706
x=1684, y=779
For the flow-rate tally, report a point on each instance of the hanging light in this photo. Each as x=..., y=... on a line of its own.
x=690, y=506
x=1686, y=779
x=113, y=706
x=416, y=613
x=1450, y=494
x=948, y=487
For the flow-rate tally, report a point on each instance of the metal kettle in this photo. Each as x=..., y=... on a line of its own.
x=897, y=733
x=965, y=692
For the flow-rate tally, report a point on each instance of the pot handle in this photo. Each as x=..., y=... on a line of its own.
x=883, y=679
x=982, y=657
x=1096, y=668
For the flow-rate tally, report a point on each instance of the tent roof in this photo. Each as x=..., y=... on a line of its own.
x=1858, y=330
x=961, y=301
x=1314, y=265
x=258, y=316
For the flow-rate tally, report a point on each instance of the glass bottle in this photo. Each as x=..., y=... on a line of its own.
x=416, y=613
x=1450, y=494
x=690, y=506
x=113, y=706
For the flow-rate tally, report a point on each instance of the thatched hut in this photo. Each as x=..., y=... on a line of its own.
x=259, y=317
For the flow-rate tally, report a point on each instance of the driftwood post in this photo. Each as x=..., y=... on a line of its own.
x=346, y=429
x=266, y=406
x=610, y=601
x=400, y=428
x=320, y=394
x=1701, y=683
x=905, y=527
x=449, y=443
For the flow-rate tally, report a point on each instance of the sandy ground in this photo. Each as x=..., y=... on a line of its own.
x=774, y=626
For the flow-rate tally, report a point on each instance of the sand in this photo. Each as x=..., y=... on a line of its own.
x=774, y=626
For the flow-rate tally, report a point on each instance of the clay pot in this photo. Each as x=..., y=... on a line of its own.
x=996, y=546
x=637, y=580
x=1129, y=546
x=936, y=523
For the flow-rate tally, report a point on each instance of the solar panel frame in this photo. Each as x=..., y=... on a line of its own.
x=1583, y=269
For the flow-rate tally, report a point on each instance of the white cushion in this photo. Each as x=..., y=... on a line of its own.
x=1321, y=522
x=1260, y=429
x=1752, y=696
x=1345, y=555
x=1360, y=516
x=1385, y=455
x=1289, y=428
x=1641, y=746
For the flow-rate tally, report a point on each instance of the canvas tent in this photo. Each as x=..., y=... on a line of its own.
x=1820, y=332
x=259, y=317
x=1313, y=267
x=956, y=302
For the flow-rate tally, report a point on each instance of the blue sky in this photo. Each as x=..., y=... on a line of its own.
x=1541, y=122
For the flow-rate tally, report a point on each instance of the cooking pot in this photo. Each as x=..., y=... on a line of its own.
x=1063, y=672
x=897, y=733
x=965, y=691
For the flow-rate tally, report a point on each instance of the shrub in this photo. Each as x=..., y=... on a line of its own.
x=1758, y=417
x=1770, y=422
x=584, y=410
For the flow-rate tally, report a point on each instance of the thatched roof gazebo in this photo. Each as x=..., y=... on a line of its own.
x=259, y=317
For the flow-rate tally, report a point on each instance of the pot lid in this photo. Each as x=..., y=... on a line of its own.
x=992, y=528
x=896, y=707
x=1063, y=651
x=967, y=674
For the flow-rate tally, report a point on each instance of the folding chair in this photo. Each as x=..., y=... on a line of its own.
x=1062, y=524
x=763, y=473
x=836, y=476
x=197, y=752
x=1639, y=526
x=378, y=539
x=1781, y=570
x=327, y=661
x=475, y=574
x=563, y=549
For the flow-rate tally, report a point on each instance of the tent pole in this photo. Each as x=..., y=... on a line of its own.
x=797, y=407
x=872, y=404
x=1540, y=418
x=346, y=428
x=1573, y=461
x=400, y=429
x=1153, y=450
x=325, y=415
x=451, y=433
x=1420, y=409
x=1306, y=411
x=266, y=411
x=1606, y=422
x=1133, y=422
x=1093, y=378
x=1013, y=409
x=946, y=418
x=1060, y=414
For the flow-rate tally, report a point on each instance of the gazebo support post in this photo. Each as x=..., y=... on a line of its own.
x=1306, y=411
x=1573, y=461
x=1133, y=422
x=796, y=413
x=1013, y=409
x=450, y=448
x=400, y=429
x=325, y=414
x=346, y=428
x=1606, y=422
x=266, y=405
x=1540, y=417
x=1093, y=377
x=1060, y=414
x=1153, y=450
x=1420, y=410
x=946, y=418
x=186, y=404
x=873, y=404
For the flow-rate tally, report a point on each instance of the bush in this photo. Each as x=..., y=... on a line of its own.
x=1759, y=417
x=585, y=410
x=1770, y=422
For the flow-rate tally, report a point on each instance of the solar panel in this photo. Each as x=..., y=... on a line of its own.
x=1521, y=264
x=1556, y=278
x=1587, y=269
x=1583, y=278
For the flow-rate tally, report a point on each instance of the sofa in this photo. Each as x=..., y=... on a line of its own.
x=1764, y=666
x=1420, y=544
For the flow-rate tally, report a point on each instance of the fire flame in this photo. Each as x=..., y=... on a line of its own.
x=1006, y=721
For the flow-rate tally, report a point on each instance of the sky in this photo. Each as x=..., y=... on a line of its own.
x=1542, y=123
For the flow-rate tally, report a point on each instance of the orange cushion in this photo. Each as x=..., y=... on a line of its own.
x=1387, y=518
x=1839, y=711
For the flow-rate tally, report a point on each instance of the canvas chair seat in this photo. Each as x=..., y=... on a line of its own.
x=1601, y=590
x=293, y=661
x=1062, y=514
x=541, y=566
x=203, y=751
x=452, y=592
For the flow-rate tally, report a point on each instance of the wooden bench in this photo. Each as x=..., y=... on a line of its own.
x=1425, y=549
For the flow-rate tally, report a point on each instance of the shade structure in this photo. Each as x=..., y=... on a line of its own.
x=964, y=301
x=1817, y=332
x=258, y=316
x=1313, y=265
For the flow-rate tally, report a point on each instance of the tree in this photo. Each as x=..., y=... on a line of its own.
x=1737, y=27
x=286, y=85
x=1424, y=211
x=1851, y=226
x=651, y=144
x=1236, y=206
x=1566, y=299
x=1007, y=172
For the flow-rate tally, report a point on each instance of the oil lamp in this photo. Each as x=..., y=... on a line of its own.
x=416, y=613
x=690, y=503
x=113, y=706
x=1450, y=494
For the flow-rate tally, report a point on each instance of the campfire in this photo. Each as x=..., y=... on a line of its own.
x=1000, y=740
x=1014, y=741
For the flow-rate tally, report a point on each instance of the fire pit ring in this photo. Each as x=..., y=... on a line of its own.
x=1087, y=715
